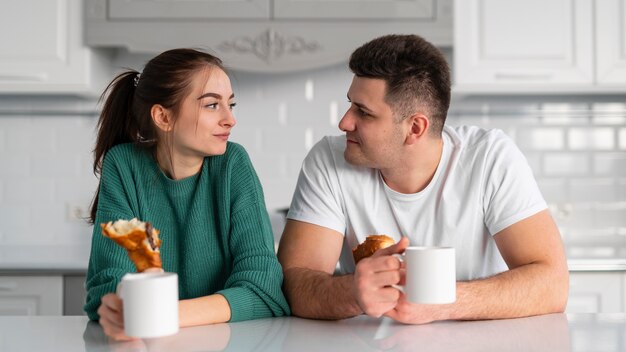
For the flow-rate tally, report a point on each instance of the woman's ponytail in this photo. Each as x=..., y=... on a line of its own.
x=117, y=123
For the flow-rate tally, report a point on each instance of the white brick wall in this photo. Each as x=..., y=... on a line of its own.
x=576, y=150
x=598, y=138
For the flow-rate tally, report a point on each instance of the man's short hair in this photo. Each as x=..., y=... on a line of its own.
x=416, y=73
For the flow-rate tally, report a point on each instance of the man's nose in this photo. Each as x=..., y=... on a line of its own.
x=346, y=123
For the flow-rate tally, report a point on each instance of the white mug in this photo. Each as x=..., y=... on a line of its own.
x=150, y=303
x=430, y=275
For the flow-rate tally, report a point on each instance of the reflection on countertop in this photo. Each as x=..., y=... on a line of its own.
x=362, y=333
x=554, y=332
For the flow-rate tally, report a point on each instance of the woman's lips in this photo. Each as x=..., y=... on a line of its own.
x=223, y=136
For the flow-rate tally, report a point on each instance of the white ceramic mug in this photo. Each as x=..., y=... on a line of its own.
x=150, y=304
x=430, y=275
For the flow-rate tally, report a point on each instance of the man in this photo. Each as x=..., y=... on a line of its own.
x=399, y=171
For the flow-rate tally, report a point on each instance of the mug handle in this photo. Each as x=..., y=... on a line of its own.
x=401, y=259
x=119, y=289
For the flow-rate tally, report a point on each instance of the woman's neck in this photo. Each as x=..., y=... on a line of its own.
x=176, y=165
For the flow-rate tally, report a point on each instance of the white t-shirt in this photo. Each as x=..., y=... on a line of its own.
x=482, y=185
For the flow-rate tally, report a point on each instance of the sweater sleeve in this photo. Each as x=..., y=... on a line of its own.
x=253, y=289
x=108, y=262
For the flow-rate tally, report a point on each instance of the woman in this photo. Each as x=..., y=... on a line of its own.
x=163, y=156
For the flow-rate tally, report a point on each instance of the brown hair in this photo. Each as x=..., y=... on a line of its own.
x=415, y=72
x=125, y=118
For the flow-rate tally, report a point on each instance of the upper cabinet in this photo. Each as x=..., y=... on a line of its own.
x=350, y=9
x=611, y=43
x=535, y=46
x=185, y=9
x=263, y=35
x=43, y=50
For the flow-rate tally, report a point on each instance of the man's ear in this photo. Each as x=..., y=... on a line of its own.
x=162, y=118
x=418, y=127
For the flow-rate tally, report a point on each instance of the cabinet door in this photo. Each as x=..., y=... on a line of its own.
x=42, y=48
x=188, y=9
x=502, y=45
x=350, y=9
x=74, y=294
x=611, y=42
x=595, y=292
x=31, y=295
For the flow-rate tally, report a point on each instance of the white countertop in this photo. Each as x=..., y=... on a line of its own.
x=45, y=259
x=75, y=258
x=554, y=333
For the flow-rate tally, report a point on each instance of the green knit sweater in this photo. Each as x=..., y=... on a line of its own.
x=214, y=228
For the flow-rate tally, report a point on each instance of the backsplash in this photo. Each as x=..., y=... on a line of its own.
x=575, y=145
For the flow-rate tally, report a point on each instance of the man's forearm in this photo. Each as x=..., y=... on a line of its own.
x=319, y=295
x=525, y=291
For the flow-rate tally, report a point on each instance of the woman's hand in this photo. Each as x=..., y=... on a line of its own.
x=112, y=314
x=112, y=317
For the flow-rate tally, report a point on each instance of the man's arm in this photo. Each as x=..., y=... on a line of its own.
x=537, y=281
x=309, y=254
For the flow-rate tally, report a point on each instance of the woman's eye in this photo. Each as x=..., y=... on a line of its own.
x=211, y=106
x=232, y=105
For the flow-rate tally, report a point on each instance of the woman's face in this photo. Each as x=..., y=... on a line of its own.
x=205, y=118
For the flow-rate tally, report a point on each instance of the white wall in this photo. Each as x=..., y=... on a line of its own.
x=575, y=145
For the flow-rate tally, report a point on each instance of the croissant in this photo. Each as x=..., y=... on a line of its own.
x=140, y=240
x=371, y=244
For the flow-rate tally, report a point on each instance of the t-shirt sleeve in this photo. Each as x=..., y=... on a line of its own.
x=316, y=199
x=511, y=192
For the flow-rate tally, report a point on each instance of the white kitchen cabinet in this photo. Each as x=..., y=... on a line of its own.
x=31, y=295
x=43, y=51
x=534, y=46
x=268, y=9
x=523, y=45
x=611, y=42
x=188, y=9
x=596, y=292
x=74, y=294
x=350, y=9
x=263, y=35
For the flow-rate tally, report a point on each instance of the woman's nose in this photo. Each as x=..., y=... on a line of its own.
x=229, y=119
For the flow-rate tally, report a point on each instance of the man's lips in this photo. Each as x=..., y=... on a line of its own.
x=353, y=141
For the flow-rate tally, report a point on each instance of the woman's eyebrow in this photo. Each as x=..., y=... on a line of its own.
x=214, y=95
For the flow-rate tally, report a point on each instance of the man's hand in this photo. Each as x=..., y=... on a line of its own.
x=410, y=313
x=373, y=278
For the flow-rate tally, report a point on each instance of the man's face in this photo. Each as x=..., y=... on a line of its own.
x=374, y=138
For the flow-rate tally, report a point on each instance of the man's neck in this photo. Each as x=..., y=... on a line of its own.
x=415, y=171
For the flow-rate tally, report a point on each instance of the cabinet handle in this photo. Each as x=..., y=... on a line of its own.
x=8, y=286
x=41, y=77
x=523, y=76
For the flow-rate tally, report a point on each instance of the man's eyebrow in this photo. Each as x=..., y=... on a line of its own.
x=360, y=105
x=214, y=95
